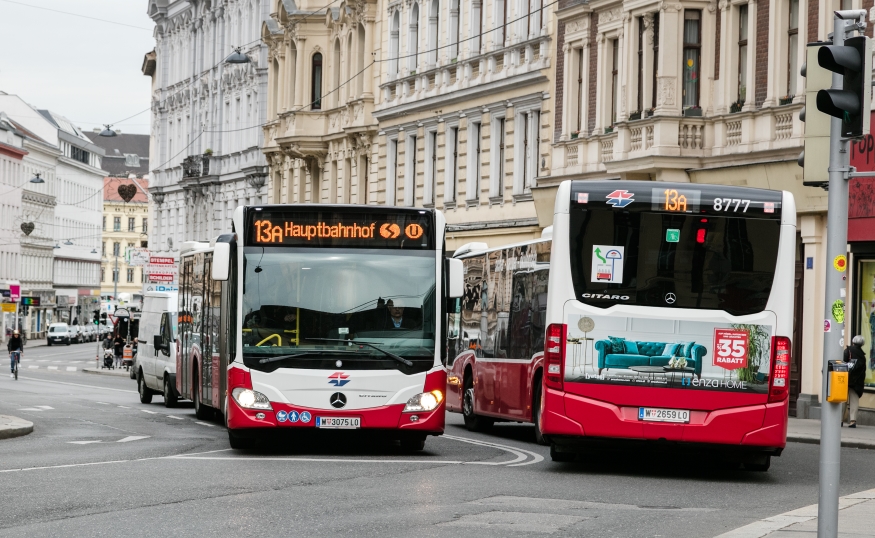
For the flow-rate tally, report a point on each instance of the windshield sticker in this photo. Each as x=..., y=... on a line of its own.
x=672, y=235
x=582, y=197
x=607, y=264
x=668, y=353
x=305, y=417
x=620, y=198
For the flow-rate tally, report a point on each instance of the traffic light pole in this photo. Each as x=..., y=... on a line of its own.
x=834, y=334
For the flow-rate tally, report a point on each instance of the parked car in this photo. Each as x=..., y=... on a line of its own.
x=90, y=333
x=155, y=362
x=59, y=333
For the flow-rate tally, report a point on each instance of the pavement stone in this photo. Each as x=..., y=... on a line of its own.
x=103, y=371
x=14, y=427
x=802, y=430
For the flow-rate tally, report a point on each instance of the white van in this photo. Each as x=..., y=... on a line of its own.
x=59, y=333
x=156, y=353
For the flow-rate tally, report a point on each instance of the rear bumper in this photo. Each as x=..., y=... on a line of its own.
x=569, y=419
x=390, y=417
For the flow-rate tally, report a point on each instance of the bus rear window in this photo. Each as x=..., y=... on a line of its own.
x=672, y=260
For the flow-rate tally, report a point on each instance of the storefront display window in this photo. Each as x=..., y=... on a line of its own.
x=866, y=318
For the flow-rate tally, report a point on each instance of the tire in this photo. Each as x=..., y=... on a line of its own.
x=413, y=443
x=561, y=457
x=170, y=398
x=240, y=443
x=133, y=373
x=536, y=412
x=473, y=422
x=67, y=343
x=144, y=391
x=758, y=464
x=49, y=343
x=201, y=411
x=16, y=372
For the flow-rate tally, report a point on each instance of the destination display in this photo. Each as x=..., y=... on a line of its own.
x=400, y=229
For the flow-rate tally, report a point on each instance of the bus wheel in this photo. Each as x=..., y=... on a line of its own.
x=169, y=394
x=561, y=457
x=473, y=422
x=240, y=443
x=759, y=464
x=413, y=443
x=145, y=392
x=536, y=413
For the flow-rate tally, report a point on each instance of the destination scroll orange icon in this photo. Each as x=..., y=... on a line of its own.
x=413, y=231
x=390, y=231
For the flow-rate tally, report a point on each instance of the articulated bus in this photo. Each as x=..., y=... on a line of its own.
x=327, y=317
x=653, y=311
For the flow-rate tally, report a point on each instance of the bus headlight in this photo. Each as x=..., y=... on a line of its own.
x=250, y=399
x=427, y=401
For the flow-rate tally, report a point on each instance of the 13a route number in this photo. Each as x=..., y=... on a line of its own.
x=724, y=204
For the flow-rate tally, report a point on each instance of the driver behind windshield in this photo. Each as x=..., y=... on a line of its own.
x=397, y=319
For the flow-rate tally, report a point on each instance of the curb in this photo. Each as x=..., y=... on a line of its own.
x=14, y=427
x=114, y=373
x=815, y=440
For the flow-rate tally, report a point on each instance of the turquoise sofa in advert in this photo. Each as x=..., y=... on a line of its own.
x=647, y=354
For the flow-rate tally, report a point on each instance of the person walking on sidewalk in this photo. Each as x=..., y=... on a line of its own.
x=15, y=346
x=856, y=357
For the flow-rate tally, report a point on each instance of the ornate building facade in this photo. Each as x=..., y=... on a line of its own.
x=207, y=114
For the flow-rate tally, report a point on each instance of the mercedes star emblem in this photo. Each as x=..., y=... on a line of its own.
x=338, y=363
x=670, y=298
x=337, y=400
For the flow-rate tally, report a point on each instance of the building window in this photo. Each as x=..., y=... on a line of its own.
x=792, y=48
x=433, y=30
x=115, y=275
x=144, y=244
x=531, y=143
x=393, y=44
x=363, y=179
x=474, y=172
x=536, y=7
x=103, y=250
x=496, y=183
x=455, y=22
x=413, y=39
x=143, y=278
x=116, y=249
x=692, y=51
x=477, y=25
x=453, y=171
x=104, y=223
x=641, y=38
x=132, y=224
x=80, y=155
x=655, y=59
x=130, y=276
x=501, y=17
x=132, y=160
x=116, y=224
x=102, y=274
x=392, y=172
x=578, y=97
x=145, y=225
x=742, y=53
x=431, y=167
x=316, y=83
x=410, y=171
x=615, y=90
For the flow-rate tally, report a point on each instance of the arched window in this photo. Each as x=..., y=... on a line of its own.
x=455, y=20
x=275, y=105
x=316, y=83
x=433, y=26
x=350, y=86
x=413, y=39
x=360, y=64
x=292, y=70
x=393, y=45
x=337, y=80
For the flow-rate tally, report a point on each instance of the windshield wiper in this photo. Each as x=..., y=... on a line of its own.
x=402, y=360
x=303, y=353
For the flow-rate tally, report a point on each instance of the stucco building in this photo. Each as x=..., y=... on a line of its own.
x=125, y=226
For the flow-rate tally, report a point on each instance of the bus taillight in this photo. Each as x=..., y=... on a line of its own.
x=779, y=381
x=554, y=355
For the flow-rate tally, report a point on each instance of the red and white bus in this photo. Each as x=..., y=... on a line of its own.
x=327, y=317
x=652, y=311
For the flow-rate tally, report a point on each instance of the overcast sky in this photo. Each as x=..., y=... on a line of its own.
x=86, y=70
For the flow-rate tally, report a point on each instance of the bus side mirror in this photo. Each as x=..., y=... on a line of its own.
x=221, y=261
x=456, y=278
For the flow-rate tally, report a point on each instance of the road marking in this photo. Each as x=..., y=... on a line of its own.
x=123, y=406
x=205, y=424
x=132, y=438
x=83, y=442
x=75, y=384
x=30, y=409
x=177, y=418
x=519, y=452
x=44, y=406
x=102, y=403
x=43, y=360
x=52, y=367
x=150, y=412
x=33, y=366
x=71, y=368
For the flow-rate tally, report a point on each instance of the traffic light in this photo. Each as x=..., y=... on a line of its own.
x=103, y=316
x=814, y=158
x=97, y=317
x=853, y=61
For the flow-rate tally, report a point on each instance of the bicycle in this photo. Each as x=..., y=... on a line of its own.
x=17, y=355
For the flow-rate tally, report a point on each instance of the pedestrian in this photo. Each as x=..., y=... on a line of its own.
x=16, y=348
x=118, y=348
x=856, y=359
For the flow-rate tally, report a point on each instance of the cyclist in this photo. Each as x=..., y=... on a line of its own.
x=15, y=347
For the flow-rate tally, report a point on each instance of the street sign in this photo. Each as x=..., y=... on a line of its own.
x=121, y=313
x=162, y=269
x=138, y=256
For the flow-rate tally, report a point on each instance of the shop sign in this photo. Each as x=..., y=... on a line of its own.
x=7, y=307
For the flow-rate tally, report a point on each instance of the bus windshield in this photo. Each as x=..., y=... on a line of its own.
x=304, y=303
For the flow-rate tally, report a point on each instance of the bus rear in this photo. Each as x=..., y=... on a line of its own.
x=338, y=322
x=669, y=314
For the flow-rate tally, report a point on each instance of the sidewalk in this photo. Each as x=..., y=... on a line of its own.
x=855, y=519
x=802, y=430
x=14, y=427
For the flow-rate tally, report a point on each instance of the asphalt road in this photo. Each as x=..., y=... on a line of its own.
x=99, y=463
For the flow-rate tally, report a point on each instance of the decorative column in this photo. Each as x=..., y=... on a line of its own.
x=567, y=92
x=750, y=90
x=668, y=91
x=301, y=73
x=368, y=92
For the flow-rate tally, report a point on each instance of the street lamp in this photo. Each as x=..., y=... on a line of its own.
x=158, y=196
x=108, y=132
x=237, y=57
x=68, y=242
x=37, y=179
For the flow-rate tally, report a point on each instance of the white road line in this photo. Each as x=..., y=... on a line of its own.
x=102, y=403
x=177, y=418
x=318, y=460
x=70, y=465
x=123, y=406
x=83, y=442
x=43, y=360
x=71, y=368
x=52, y=367
x=44, y=406
x=30, y=409
x=150, y=412
x=205, y=424
x=132, y=438
x=75, y=384
x=519, y=452
x=33, y=366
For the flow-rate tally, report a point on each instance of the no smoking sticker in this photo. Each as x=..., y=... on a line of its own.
x=840, y=263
